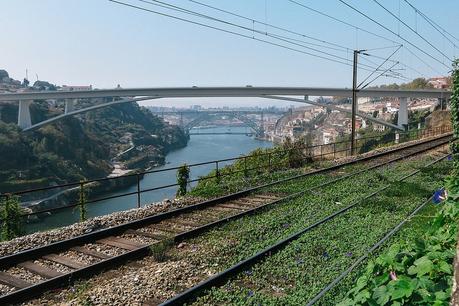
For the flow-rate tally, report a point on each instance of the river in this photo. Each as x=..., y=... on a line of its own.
x=200, y=148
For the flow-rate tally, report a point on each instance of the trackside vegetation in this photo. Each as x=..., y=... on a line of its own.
x=419, y=271
x=11, y=218
x=297, y=273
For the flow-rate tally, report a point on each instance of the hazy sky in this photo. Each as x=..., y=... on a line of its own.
x=98, y=42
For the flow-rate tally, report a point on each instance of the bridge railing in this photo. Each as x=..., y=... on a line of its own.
x=134, y=189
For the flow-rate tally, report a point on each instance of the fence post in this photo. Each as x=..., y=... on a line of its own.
x=334, y=150
x=245, y=166
x=269, y=162
x=138, y=190
x=321, y=152
x=217, y=173
x=82, y=202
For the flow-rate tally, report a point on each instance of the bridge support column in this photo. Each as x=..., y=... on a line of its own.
x=443, y=103
x=70, y=105
x=403, y=112
x=24, y=119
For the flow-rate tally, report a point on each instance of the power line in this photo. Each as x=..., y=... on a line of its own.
x=386, y=28
x=435, y=25
x=253, y=30
x=355, y=27
x=269, y=24
x=342, y=21
x=414, y=31
x=369, y=76
x=377, y=77
x=278, y=37
x=226, y=31
x=239, y=34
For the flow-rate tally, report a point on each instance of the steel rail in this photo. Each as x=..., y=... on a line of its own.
x=56, y=246
x=28, y=292
x=378, y=244
x=218, y=279
x=103, y=179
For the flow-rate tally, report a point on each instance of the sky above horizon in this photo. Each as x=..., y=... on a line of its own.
x=102, y=43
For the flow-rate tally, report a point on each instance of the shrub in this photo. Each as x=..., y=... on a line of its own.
x=183, y=175
x=11, y=215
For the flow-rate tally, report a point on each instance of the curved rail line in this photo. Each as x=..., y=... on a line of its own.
x=219, y=279
x=134, y=239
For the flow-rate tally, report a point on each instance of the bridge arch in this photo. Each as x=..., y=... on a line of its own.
x=252, y=124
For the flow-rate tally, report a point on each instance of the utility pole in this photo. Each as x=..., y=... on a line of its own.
x=354, y=99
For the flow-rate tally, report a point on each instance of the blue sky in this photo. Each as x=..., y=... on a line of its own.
x=82, y=42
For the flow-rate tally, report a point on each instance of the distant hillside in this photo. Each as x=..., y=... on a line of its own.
x=82, y=146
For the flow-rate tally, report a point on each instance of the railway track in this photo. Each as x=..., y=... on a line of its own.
x=60, y=263
x=219, y=279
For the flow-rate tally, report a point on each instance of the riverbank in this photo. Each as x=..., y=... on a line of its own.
x=200, y=148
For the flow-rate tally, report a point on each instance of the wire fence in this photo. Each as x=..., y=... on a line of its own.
x=249, y=165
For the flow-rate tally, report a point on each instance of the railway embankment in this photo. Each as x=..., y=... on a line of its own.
x=367, y=208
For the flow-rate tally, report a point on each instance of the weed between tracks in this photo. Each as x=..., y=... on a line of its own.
x=297, y=273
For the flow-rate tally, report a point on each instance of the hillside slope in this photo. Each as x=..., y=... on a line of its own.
x=80, y=147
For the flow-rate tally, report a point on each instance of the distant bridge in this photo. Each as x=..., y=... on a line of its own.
x=221, y=133
x=208, y=116
x=274, y=93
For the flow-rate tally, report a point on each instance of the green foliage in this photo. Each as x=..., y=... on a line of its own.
x=82, y=203
x=455, y=114
x=297, y=273
x=183, y=175
x=78, y=293
x=259, y=166
x=159, y=250
x=296, y=156
x=11, y=215
x=82, y=146
x=416, y=272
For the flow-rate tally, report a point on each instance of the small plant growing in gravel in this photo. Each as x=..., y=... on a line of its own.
x=77, y=292
x=183, y=175
x=159, y=250
x=82, y=203
x=11, y=216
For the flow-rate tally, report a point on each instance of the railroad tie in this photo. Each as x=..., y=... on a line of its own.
x=13, y=281
x=231, y=206
x=64, y=261
x=121, y=243
x=156, y=237
x=39, y=269
x=86, y=251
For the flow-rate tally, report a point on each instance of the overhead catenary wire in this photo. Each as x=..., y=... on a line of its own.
x=343, y=22
x=278, y=37
x=394, y=33
x=356, y=27
x=237, y=34
x=412, y=30
x=435, y=25
x=269, y=25
x=377, y=77
x=369, y=76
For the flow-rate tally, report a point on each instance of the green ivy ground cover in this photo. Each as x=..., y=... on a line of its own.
x=245, y=236
x=300, y=271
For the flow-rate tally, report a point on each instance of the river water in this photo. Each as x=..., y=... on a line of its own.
x=200, y=148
